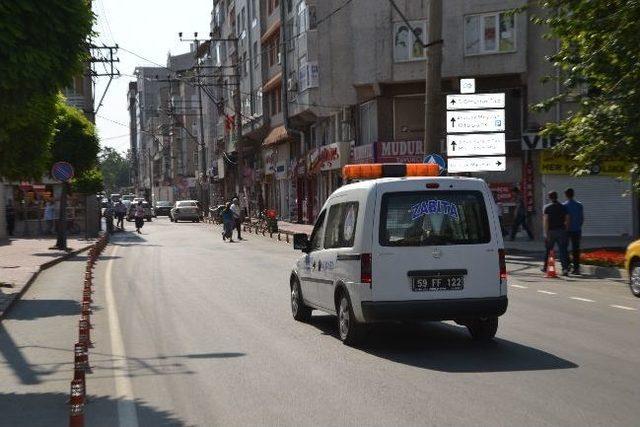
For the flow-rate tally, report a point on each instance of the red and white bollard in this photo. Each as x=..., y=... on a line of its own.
x=76, y=404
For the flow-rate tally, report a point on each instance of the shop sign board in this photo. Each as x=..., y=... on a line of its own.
x=554, y=164
x=400, y=151
x=476, y=144
x=363, y=154
x=281, y=170
x=477, y=164
x=502, y=192
x=476, y=101
x=535, y=141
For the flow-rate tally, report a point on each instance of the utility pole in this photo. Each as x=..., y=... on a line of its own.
x=238, y=121
x=285, y=59
x=433, y=110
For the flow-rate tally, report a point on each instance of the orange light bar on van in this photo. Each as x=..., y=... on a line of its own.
x=387, y=170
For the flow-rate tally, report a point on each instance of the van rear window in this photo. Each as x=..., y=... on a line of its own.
x=426, y=218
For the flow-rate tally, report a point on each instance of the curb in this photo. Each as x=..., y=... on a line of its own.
x=35, y=275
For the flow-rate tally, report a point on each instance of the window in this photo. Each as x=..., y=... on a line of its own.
x=341, y=225
x=275, y=98
x=256, y=58
x=368, y=123
x=489, y=33
x=406, y=46
x=258, y=102
x=425, y=218
x=316, y=235
x=245, y=67
x=302, y=18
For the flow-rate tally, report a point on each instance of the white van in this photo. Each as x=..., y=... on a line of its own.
x=404, y=248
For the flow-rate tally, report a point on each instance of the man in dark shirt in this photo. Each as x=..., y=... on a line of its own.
x=574, y=231
x=555, y=231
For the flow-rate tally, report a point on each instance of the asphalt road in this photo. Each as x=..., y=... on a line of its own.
x=193, y=331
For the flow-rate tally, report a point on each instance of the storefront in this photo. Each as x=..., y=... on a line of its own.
x=606, y=194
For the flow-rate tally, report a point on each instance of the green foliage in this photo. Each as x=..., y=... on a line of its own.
x=600, y=76
x=42, y=46
x=89, y=182
x=115, y=169
x=75, y=139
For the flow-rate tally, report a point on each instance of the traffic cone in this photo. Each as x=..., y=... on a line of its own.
x=551, y=266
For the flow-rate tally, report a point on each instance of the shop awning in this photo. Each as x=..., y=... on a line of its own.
x=276, y=136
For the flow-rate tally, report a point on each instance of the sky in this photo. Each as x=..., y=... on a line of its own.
x=148, y=28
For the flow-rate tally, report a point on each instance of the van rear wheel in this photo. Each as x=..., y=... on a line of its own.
x=351, y=331
x=483, y=329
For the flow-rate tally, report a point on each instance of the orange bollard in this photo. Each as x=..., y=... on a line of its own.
x=84, y=333
x=551, y=267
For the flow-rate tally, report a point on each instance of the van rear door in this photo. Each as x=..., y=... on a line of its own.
x=435, y=243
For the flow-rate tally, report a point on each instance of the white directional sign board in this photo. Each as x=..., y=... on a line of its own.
x=477, y=164
x=475, y=101
x=475, y=144
x=469, y=121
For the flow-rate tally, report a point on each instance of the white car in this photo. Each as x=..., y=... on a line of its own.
x=403, y=248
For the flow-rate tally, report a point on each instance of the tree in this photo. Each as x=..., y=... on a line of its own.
x=598, y=62
x=42, y=46
x=115, y=169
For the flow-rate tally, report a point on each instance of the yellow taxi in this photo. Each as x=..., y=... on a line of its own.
x=632, y=265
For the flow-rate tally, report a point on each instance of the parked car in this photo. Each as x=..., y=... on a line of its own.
x=185, y=210
x=148, y=211
x=632, y=266
x=163, y=208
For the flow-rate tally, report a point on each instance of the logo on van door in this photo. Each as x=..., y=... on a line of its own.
x=435, y=206
x=437, y=253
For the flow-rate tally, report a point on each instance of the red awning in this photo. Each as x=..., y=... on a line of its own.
x=276, y=136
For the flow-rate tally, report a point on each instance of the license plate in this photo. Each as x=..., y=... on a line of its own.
x=438, y=283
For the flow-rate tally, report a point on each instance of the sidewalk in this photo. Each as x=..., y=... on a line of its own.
x=22, y=259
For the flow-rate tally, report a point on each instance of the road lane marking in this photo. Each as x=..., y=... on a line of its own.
x=519, y=286
x=127, y=415
x=623, y=307
x=582, y=299
x=547, y=292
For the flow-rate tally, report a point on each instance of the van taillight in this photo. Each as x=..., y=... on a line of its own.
x=365, y=268
x=503, y=264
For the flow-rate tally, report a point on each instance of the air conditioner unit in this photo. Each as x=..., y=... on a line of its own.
x=345, y=115
x=292, y=85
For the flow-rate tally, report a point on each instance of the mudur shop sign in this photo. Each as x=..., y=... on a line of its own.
x=399, y=151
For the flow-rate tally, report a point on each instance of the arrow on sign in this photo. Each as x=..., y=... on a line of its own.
x=453, y=146
x=453, y=122
x=498, y=163
x=453, y=101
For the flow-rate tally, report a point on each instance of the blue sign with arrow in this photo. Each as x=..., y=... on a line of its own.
x=437, y=159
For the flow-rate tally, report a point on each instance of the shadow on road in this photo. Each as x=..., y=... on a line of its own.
x=36, y=309
x=448, y=348
x=48, y=409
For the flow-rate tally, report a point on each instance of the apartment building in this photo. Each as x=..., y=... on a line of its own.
x=353, y=91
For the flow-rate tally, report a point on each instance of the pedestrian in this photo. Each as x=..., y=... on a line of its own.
x=108, y=217
x=10, y=216
x=555, y=231
x=227, y=223
x=575, y=211
x=49, y=216
x=121, y=211
x=519, y=215
x=139, y=216
x=237, y=216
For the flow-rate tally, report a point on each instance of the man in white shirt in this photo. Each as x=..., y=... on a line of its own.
x=237, y=215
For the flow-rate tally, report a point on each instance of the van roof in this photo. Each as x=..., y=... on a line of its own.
x=371, y=183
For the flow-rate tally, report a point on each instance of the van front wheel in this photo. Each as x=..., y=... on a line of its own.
x=300, y=311
x=351, y=331
x=483, y=329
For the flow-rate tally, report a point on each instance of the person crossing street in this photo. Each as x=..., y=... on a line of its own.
x=555, y=231
x=237, y=216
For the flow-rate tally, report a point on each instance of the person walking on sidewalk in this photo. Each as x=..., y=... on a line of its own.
x=555, y=231
x=519, y=215
x=227, y=223
x=10, y=217
x=237, y=216
x=49, y=216
x=574, y=231
x=121, y=211
x=139, y=216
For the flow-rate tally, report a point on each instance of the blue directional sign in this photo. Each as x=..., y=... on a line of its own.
x=437, y=159
x=62, y=171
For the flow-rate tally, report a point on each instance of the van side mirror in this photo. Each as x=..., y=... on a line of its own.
x=301, y=242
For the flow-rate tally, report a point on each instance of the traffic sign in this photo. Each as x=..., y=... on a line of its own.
x=62, y=171
x=475, y=144
x=475, y=101
x=437, y=159
x=477, y=164
x=475, y=121
x=467, y=85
